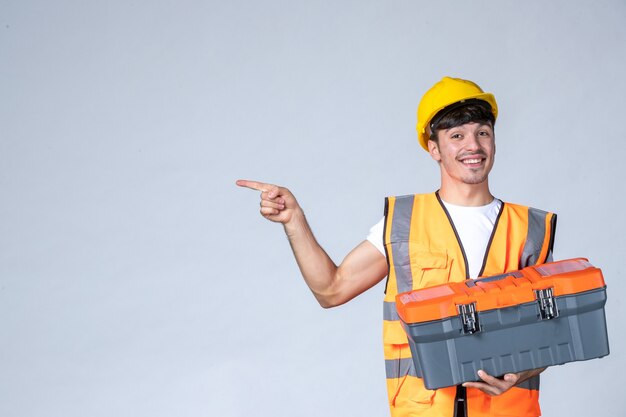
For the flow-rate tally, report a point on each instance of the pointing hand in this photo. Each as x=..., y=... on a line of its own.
x=277, y=203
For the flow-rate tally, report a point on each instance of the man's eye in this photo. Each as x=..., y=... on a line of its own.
x=483, y=133
x=456, y=136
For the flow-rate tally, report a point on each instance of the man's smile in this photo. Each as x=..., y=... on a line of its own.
x=472, y=160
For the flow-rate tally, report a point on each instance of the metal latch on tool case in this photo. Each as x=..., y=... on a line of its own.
x=547, y=304
x=469, y=318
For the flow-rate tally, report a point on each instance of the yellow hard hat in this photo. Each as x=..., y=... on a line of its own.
x=446, y=92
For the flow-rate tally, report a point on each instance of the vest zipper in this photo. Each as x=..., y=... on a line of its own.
x=460, y=402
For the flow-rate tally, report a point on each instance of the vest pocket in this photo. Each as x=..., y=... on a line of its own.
x=432, y=267
x=406, y=390
x=416, y=266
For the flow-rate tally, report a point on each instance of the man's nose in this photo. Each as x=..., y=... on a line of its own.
x=472, y=142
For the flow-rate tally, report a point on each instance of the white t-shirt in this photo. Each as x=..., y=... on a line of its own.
x=473, y=224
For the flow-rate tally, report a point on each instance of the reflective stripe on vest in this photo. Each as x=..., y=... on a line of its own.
x=423, y=249
x=400, y=229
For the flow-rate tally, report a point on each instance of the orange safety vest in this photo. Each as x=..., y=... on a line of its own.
x=423, y=249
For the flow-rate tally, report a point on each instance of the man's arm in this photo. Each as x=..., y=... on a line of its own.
x=331, y=285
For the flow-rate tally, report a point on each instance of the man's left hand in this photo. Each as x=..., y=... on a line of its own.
x=496, y=386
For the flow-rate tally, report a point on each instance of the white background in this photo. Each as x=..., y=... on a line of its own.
x=137, y=280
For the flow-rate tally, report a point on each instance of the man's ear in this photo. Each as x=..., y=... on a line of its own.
x=433, y=149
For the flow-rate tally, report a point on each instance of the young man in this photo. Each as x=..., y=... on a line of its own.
x=459, y=232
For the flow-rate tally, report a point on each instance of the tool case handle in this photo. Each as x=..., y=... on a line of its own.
x=514, y=274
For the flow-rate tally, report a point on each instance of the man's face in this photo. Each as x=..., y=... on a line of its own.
x=465, y=153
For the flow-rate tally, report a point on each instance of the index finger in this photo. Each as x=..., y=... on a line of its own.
x=254, y=185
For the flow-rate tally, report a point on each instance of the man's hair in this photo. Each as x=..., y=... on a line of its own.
x=476, y=111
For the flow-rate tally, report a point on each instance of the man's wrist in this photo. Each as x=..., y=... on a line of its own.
x=296, y=223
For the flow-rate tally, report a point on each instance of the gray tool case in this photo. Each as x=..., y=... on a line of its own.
x=539, y=316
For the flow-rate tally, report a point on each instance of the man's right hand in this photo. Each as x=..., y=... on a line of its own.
x=278, y=204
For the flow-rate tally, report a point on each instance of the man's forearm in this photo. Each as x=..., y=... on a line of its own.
x=317, y=268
